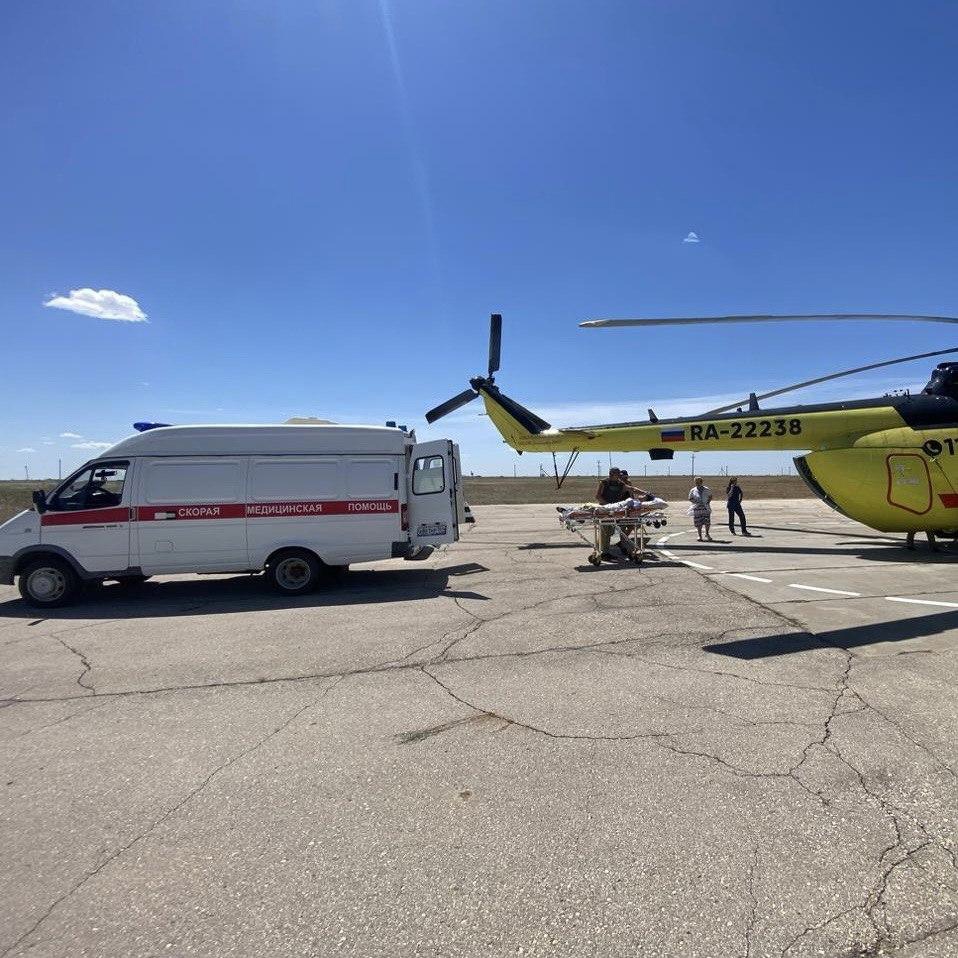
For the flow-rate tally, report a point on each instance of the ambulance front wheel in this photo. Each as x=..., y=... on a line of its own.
x=49, y=583
x=293, y=572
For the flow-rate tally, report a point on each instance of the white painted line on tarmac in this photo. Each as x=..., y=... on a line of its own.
x=792, y=585
x=667, y=536
x=688, y=562
x=751, y=578
x=815, y=588
x=947, y=605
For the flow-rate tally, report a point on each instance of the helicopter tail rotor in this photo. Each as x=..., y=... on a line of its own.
x=495, y=343
x=451, y=405
x=467, y=395
x=516, y=423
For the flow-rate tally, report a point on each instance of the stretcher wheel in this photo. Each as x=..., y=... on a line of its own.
x=594, y=559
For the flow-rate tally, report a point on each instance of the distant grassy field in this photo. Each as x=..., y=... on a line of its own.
x=498, y=490
x=15, y=494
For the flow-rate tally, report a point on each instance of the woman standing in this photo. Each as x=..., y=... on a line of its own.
x=701, y=509
x=733, y=502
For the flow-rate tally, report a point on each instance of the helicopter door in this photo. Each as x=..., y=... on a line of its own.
x=909, y=484
x=434, y=493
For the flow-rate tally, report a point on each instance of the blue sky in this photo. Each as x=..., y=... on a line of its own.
x=318, y=204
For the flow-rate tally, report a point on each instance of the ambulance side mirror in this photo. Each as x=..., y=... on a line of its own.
x=40, y=500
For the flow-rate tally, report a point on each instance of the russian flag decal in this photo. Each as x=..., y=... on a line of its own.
x=673, y=435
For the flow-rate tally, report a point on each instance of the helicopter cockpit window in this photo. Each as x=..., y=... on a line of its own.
x=95, y=487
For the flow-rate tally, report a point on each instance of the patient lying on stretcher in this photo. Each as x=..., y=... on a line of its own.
x=626, y=509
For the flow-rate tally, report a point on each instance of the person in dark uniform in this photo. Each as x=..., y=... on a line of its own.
x=613, y=489
x=733, y=502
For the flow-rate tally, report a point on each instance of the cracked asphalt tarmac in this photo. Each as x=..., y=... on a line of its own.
x=499, y=751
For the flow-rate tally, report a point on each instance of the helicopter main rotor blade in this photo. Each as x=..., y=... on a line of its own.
x=721, y=320
x=495, y=343
x=825, y=379
x=450, y=405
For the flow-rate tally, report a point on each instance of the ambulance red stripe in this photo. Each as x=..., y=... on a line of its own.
x=949, y=499
x=86, y=517
x=293, y=509
x=205, y=510
x=344, y=507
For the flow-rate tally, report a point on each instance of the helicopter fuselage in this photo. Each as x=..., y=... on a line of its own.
x=890, y=462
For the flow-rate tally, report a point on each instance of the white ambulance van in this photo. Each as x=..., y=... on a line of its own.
x=295, y=501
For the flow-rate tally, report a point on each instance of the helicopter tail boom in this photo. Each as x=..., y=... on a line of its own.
x=520, y=427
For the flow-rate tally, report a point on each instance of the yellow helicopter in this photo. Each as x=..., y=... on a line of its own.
x=890, y=463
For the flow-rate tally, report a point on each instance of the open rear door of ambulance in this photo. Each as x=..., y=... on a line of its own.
x=434, y=494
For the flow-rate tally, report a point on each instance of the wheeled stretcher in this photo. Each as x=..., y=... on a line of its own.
x=631, y=519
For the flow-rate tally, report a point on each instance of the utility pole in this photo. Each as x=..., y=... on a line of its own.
x=59, y=468
x=598, y=468
x=693, y=465
x=26, y=473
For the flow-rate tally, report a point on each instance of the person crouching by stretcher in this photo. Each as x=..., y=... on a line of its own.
x=614, y=489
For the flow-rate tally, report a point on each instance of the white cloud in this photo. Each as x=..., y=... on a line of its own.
x=693, y=237
x=26, y=449
x=100, y=304
x=48, y=442
x=70, y=435
x=92, y=445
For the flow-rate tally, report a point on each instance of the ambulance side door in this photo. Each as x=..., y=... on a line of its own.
x=191, y=514
x=433, y=493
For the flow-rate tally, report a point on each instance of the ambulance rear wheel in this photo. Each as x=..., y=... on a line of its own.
x=49, y=583
x=293, y=572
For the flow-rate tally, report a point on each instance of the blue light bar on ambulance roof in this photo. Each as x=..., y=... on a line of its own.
x=144, y=426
